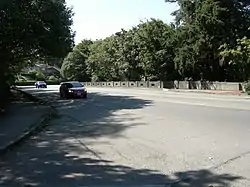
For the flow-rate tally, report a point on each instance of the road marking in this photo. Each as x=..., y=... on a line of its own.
x=173, y=95
x=207, y=105
x=163, y=98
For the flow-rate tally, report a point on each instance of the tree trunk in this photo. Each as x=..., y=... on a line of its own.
x=4, y=86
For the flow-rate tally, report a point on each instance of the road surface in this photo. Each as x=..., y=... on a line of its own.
x=127, y=137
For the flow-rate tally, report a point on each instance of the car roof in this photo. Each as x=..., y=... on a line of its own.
x=69, y=82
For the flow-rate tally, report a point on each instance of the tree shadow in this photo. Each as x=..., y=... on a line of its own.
x=59, y=156
x=203, y=178
x=98, y=115
x=50, y=165
x=73, y=171
x=17, y=112
x=16, y=119
x=14, y=98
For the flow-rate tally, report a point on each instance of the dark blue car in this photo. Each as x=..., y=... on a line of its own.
x=72, y=89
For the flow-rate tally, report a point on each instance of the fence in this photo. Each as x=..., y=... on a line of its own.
x=199, y=85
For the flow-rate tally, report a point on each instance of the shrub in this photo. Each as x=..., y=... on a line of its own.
x=32, y=83
x=33, y=74
x=53, y=78
x=40, y=76
x=25, y=83
x=56, y=82
x=247, y=87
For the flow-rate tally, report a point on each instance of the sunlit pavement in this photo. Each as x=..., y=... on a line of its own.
x=128, y=137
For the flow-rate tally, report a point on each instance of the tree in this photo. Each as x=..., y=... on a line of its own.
x=202, y=27
x=74, y=66
x=103, y=63
x=128, y=54
x=154, y=50
x=156, y=46
x=32, y=29
x=40, y=76
x=237, y=59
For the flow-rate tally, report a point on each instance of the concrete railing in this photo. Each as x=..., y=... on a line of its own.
x=199, y=85
x=128, y=84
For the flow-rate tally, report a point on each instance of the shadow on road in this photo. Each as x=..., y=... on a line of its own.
x=98, y=115
x=57, y=168
x=59, y=156
x=16, y=119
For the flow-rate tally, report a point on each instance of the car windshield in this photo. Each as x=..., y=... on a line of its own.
x=41, y=82
x=76, y=84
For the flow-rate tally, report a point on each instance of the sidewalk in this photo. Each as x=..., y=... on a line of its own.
x=21, y=115
x=219, y=92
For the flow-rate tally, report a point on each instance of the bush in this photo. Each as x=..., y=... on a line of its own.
x=33, y=74
x=32, y=83
x=25, y=83
x=53, y=78
x=56, y=82
x=247, y=87
x=40, y=76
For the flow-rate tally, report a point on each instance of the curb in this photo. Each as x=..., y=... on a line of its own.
x=31, y=130
x=32, y=98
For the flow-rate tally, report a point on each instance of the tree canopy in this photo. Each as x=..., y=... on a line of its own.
x=209, y=39
x=33, y=29
x=143, y=52
x=200, y=44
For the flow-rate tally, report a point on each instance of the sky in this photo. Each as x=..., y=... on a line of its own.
x=95, y=19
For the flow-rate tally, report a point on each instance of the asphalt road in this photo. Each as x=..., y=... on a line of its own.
x=125, y=137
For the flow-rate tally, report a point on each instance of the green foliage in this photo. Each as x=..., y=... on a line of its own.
x=33, y=75
x=203, y=43
x=247, y=87
x=143, y=52
x=32, y=83
x=53, y=78
x=24, y=83
x=202, y=27
x=237, y=58
x=40, y=76
x=74, y=65
x=32, y=29
x=209, y=40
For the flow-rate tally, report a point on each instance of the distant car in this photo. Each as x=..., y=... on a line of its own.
x=41, y=84
x=72, y=89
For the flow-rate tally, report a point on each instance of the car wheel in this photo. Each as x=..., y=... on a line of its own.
x=61, y=95
x=65, y=96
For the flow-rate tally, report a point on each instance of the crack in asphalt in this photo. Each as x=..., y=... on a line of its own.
x=89, y=149
x=79, y=141
x=230, y=160
x=189, y=178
